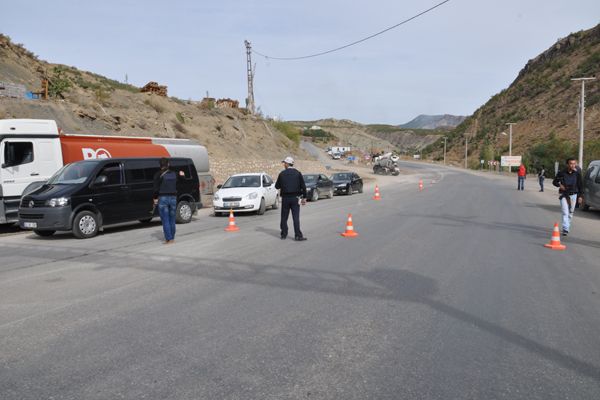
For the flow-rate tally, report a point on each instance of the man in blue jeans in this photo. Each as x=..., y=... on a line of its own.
x=570, y=190
x=165, y=197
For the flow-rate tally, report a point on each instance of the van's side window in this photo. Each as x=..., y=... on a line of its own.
x=138, y=171
x=177, y=165
x=18, y=153
x=112, y=172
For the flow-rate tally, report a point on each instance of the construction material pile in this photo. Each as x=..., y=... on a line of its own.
x=155, y=88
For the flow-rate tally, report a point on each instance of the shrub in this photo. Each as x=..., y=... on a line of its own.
x=289, y=130
x=179, y=117
x=58, y=84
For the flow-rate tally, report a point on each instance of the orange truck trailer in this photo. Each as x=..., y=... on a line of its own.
x=32, y=150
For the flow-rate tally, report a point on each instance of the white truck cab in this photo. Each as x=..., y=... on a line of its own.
x=30, y=153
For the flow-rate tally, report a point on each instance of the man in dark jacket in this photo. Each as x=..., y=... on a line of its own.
x=570, y=190
x=292, y=191
x=165, y=197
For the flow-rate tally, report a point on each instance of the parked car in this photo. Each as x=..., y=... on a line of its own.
x=336, y=156
x=84, y=196
x=591, y=186
x=347, y=183
x=317, y=186
x=246, y=193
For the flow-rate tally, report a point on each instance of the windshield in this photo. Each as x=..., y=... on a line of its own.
x=242, y=181
x=341, y=177
x=310, y=178
x=73, y=174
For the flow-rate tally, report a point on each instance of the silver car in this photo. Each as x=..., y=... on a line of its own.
x=591, y=186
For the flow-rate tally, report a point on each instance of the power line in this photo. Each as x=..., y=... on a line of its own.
x=355, y=42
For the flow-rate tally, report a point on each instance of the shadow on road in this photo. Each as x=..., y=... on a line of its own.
x=579, y=213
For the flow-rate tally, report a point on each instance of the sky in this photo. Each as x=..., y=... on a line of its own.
x=449, y=61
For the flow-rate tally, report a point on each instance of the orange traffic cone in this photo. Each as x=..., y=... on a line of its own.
x=420, y=185
x=377, y=195
x=232, y=227
x=555, y=240
x=349, y=228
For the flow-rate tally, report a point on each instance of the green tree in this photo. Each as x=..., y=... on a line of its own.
x=59, y=83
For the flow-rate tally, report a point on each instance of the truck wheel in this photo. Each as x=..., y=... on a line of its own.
x=262, y=208
x=184, y=212
x=43, y=233
x=85, y=225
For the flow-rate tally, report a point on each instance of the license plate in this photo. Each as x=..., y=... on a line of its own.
x=231, y=204
x=30, y=224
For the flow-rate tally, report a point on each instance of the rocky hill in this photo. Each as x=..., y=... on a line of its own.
x=84, y=102
x=423, y=121
x=543, y=103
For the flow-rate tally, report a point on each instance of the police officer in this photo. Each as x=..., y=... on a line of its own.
x=293, y=192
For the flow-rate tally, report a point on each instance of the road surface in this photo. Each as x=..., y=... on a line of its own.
x=447, y=293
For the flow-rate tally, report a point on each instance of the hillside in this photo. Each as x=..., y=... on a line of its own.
x=375, y=137
x=543, y=102
x=84, y=102
x=445, y=121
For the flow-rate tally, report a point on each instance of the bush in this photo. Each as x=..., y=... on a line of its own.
x=289, y=130
x=547, y=153
x=58, y=84
x=179, y=117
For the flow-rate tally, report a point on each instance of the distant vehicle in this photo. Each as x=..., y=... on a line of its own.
x=246, y=193
x=317, y=186
x=386, y=164
x=341, y=149
x=84, y=196
x=32, y=150
x=347, y=183
x=336, y=156
x=591, y=186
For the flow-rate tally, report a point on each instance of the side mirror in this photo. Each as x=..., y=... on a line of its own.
x=100, y=180
x=219, y=186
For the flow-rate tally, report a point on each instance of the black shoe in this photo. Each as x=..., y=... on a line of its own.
x=565, y=232
x=283, y=237
x=300, y=238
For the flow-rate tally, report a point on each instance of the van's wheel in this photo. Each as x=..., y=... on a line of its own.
x=276, y=204
x=43, y=233
x=315, y=195
x=184, y=212
x=262, y=208
x=85, y=225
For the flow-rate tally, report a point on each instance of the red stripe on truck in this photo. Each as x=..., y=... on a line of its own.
x=77, y=148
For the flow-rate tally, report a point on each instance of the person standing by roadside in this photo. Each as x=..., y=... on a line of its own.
x=165, y=198
x=292, y=190
x=521, y=175
x=541, y=178
x=570, y=190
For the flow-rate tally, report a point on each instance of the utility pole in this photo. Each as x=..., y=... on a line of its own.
x=445, y=139
x=581, y=116
x=466, y=150
x=250, y=72
x=510, y=125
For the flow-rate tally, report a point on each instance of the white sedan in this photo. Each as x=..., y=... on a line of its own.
x=246, y=193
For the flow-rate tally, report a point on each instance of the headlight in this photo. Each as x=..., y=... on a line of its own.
x=253, y=195
x=216, y=196
x=58, y=202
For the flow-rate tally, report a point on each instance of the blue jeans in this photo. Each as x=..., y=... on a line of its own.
x=167, y=206
x=521, y=183
x=567, y=212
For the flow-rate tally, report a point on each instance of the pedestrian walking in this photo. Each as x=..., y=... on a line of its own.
x=541, y=178
x=292, y=190
x=521, y=175
x=570, y=192
x=165, y=198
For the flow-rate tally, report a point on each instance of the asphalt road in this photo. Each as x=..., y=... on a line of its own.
x=446, y=294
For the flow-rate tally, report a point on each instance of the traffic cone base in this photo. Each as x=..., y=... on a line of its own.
x=377, y=194
x=555, y=240
x=420, y=185
x=350, y=232
x=232, y=227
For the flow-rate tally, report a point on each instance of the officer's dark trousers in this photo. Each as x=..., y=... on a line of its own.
x=287, y=204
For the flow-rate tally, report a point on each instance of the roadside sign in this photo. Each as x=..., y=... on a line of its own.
x=482, y=162
x=510, y=161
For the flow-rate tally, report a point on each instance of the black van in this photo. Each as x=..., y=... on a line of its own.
x=84, y=196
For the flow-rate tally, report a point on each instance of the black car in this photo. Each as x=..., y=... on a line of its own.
x=84, y=196
x=317, y=186
x=347, y=183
